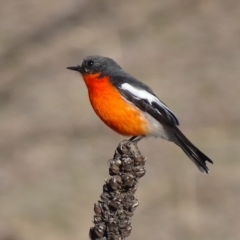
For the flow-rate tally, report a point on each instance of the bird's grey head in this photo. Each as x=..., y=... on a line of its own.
x=96, y=64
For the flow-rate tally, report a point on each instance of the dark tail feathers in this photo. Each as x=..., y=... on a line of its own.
x=198, y=158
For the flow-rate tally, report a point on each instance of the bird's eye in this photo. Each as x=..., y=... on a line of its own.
x=90, y=63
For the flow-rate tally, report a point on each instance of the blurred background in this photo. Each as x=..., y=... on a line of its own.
x=54, y=149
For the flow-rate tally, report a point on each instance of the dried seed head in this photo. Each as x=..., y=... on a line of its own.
x=105, y=196
x=123, y=147
x=139, y=160
x=123, y=224
x=127, y=164
x=97, y=209
x=112, y=227
x=139, y=171
x=115, y=204
x=97, y=231
x=97, y=219
x=115, y=209
x=115, y=182
x=128, y=180
x=114, y=166
x=126, y=232
x=106, y=216
x=130, y=202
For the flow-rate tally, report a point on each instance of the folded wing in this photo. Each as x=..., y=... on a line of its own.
x=148, y=102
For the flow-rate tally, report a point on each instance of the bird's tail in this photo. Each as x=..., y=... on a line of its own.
x=198, y=158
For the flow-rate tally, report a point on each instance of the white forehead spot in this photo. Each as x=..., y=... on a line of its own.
x=139, y=93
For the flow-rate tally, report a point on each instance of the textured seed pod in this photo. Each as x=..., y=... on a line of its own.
x=97, y=219
x=97, y=209
x=114, y=204
x=113, y=213
x=127, y=165
x=139, y=160
x=126, y=232
x=130, y=202
x=98, y=230
x=115, y=182
x=128, y=179
x=139, y=171
x=114, y=167
x=123, y=224
x=105, y=196
x=133, y=189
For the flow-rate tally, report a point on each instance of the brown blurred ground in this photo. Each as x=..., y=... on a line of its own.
x=54, y=150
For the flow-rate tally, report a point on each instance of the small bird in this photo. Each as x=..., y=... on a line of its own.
x=130, y=107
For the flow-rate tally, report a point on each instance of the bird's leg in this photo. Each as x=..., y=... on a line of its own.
x=135, y=139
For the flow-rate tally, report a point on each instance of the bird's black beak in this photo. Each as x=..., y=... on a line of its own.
x=77, y=68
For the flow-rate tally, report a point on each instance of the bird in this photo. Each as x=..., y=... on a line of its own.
x=130, y=107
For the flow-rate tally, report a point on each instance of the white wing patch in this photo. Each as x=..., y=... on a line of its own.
x=142, y=94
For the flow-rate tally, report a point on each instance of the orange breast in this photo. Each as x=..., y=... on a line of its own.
x=111, y=107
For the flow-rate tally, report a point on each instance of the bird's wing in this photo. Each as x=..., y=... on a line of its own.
x=143, y=97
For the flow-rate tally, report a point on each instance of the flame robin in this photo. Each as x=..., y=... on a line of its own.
x=130, y=107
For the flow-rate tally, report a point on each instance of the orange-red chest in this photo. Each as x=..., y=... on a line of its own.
x=113, y=109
